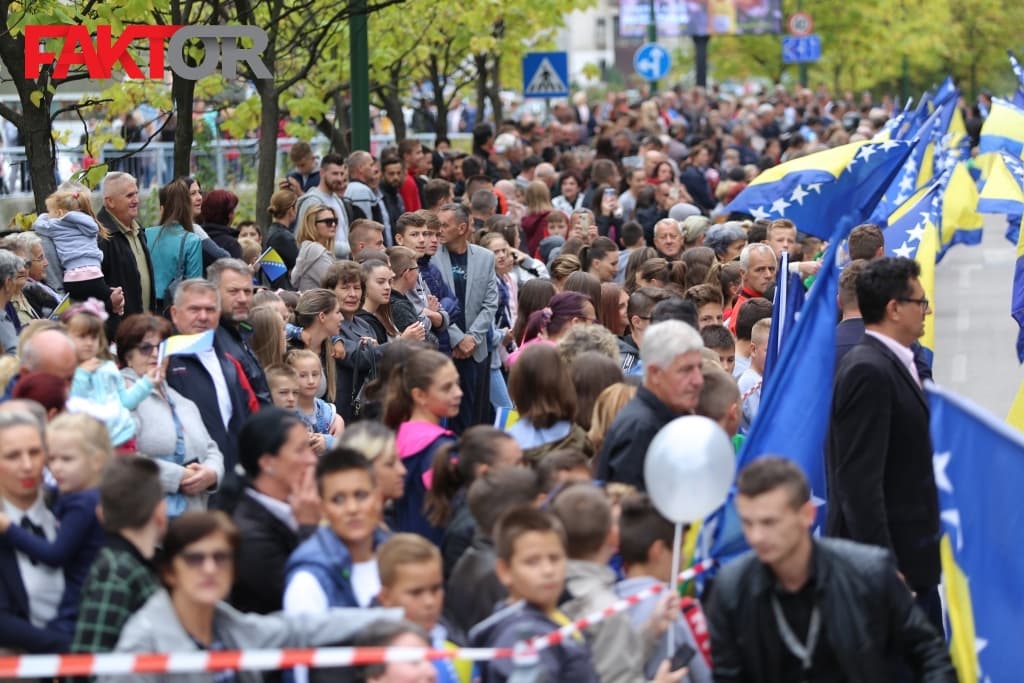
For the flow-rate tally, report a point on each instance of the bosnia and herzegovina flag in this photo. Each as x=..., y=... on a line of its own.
x=1017, y=298
x=272, y=264
x=1003, y=130
x=1002, y=189
x=62, y=306
x=793, y=417
x=960, y=222
x=979, y=473
x=185, y=344
x=831, y=190
x=913, y=233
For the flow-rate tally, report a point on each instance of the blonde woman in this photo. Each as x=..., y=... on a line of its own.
x=315, y=238
x=268, y=341
x=535, y=222
x=561, y=268
x=606, y=408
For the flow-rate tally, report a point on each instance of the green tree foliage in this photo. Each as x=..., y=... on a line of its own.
x=864, y=45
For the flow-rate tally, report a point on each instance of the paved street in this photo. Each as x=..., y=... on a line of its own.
x=974, y=334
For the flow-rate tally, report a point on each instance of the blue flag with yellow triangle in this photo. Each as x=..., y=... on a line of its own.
x=272, y=264
x=913, y=233
x=1003, y=130
x=979, y=474
x=792, y=420
x=833, y=189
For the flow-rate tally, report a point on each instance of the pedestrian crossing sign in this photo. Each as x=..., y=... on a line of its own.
x=546, y=74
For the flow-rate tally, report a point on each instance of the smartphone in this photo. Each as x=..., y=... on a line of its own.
x=609, y=192
x=585, y=221
x=682, y=657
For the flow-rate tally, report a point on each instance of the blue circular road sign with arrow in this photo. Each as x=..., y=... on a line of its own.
x=652, y=61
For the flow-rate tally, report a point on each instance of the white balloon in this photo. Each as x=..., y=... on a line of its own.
x=689, y=468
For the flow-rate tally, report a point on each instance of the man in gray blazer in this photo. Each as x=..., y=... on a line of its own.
x=469, y=271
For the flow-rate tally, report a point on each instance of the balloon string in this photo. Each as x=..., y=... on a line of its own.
x=677, y=544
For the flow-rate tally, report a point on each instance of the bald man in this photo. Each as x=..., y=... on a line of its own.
x=50, y=351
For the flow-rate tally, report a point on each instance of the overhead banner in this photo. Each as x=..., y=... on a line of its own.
x=676, y=18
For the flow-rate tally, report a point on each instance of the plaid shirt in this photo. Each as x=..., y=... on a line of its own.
x=120, y=581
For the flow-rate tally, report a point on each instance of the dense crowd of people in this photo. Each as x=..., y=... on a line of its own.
x=421, y=411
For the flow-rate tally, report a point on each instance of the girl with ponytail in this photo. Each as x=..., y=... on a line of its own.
x=550, y=324
x=457, y=465
x=422, y=393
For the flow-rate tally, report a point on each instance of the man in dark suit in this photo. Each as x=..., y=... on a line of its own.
x=214, y=380
x=468, y=270
x=29, y=591
x=879, y=454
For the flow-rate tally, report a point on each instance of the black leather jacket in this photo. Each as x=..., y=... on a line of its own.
x=868, y=615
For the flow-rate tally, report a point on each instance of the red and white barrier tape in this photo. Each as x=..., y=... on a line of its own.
x=556, y=637
x=49, y=666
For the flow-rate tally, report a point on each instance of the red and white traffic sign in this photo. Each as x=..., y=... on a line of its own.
x=800, y=24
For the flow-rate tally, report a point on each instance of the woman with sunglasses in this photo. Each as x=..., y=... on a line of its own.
x=190, y=615
x=316, y=247
x=170, y=428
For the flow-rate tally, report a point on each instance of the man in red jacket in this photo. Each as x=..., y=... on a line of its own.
x=412, y=156
x=758, y=265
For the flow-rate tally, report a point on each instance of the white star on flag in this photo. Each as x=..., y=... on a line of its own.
x=900, y=198
x=952, y=518
x=907, y=183
x=815, y=187
x=916, y=233
x=889, y=144
x=905, y=251
x=865, y=152
x=939, y=463
x=798, y=195
x=759, y=213
x=779, y=206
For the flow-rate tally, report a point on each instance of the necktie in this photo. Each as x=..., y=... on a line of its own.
x=33, y=528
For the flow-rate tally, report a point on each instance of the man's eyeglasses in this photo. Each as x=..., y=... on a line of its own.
x=922, y=302
x=195, y=560
x=327, y=221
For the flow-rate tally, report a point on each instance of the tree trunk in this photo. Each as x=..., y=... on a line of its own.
x=336, y=132
x=270, y=112
x=37, y=133
x=183, y=93
x=393, y=103
x=440, y=103
x=494, y=91
x=482, y=72
x=34, y=123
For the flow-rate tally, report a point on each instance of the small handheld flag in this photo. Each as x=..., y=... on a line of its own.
x=61, y=307
x=185, y=344
x=272, y=264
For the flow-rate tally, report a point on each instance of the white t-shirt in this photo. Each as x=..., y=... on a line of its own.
x=304, y=595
